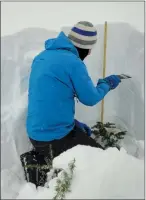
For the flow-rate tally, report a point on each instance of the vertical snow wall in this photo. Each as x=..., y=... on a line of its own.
x=125, y=105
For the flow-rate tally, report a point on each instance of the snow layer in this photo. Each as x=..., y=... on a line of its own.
x=98, y=174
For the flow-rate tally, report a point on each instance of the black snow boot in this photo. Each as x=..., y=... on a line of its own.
x=35, y=167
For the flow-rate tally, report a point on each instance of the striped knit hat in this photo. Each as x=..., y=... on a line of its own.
x=83, y=35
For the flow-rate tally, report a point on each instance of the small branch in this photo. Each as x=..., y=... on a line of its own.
x=64, y=183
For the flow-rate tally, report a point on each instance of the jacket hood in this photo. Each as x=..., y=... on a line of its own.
x=61, y=42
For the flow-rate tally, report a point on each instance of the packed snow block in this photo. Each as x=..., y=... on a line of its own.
x=125, y=54
x=28, y=189
x=113, y=173
x=98, y=174
x=11, y=183
x=14, y=139
x=20, y=133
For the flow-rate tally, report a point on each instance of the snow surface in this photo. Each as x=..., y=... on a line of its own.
x=124, y=106
x=98, y=174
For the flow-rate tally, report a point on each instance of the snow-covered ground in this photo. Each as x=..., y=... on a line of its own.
x=98, y=174
x=124, y=106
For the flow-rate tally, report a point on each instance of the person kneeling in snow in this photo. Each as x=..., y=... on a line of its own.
x=58, y=76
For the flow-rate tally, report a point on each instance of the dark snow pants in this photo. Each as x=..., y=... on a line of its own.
x=56, y=147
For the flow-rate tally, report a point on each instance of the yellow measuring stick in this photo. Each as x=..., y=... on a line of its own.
x=104, y=67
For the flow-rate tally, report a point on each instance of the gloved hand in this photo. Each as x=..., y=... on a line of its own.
x=84, y=127
x=113, y=81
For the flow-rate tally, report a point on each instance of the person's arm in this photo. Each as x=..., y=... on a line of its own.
x=86, y=92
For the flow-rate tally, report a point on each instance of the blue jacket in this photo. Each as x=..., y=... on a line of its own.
x=57, y=76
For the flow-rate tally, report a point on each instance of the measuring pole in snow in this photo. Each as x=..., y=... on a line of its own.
x=104, y=67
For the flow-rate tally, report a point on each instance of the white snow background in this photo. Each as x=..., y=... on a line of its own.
x=98, y=173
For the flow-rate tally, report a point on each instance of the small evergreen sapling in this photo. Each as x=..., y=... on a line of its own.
x=107, y=135
x=64, y=183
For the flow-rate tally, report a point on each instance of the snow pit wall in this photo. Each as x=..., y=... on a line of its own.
x=125, y=55
x=124, y=106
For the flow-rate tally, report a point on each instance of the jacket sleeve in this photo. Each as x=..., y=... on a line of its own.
x=86, y=92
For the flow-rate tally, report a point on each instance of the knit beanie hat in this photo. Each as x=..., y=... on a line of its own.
x=83, y=35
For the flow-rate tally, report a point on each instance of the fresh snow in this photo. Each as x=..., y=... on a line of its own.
x=124, y=106
x=98, y=174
